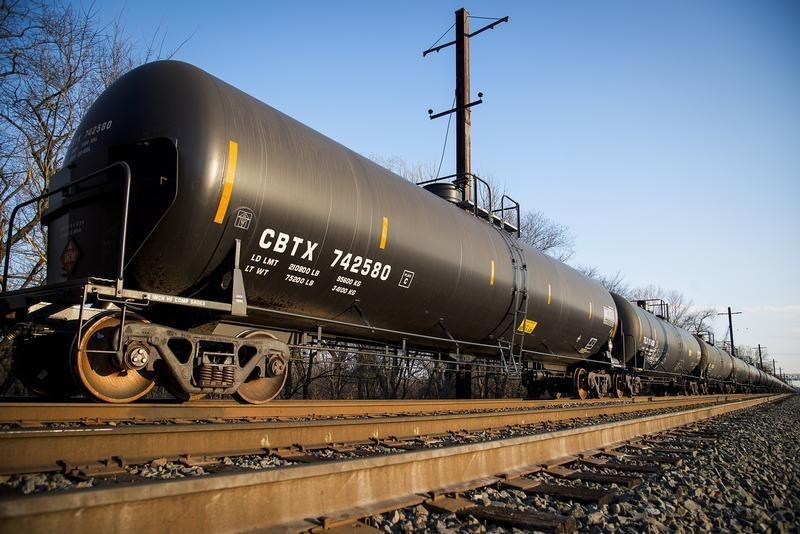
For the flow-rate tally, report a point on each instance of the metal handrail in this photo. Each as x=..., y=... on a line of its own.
x=475, y=208
x=46, y=194
x=514, y=206
x=474, y=198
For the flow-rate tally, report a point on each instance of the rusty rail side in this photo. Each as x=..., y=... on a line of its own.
x=32, y=450
x=37, y=412
x=295, y=498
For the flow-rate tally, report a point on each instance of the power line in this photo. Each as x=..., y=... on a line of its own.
x=446, y=135
x=442, y=37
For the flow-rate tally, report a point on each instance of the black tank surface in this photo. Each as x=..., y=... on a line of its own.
x=324, y=232
x=649, y=342
x=702, y=366
x=741, y=371
x=756, y=378
x=760, y=378
x=720, y=363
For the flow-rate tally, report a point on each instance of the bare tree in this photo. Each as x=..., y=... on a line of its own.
x=747, y=354
x=762, y=362
x=681, y=310
x=536, y=230
x=546, y=235
x=614, y=283
x=413, y=173
x=54, y=61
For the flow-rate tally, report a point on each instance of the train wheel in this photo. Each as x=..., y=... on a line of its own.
x=580, y=383
x=96, y=369
x=637, y=386
x=258, y=389
x=619, y=385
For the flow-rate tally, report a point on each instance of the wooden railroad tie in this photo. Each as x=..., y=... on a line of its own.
x=624, y=481
x=664, y=450
x=509, y=517
x=633, y=468
x=574, y=493
x=502, y=516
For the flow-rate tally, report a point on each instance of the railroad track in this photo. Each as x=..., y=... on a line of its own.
x=194, y=433
x=322, y=491
x=33, y=414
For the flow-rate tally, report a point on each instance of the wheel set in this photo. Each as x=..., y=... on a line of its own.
x=92, y=357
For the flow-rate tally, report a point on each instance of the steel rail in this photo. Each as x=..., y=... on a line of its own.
x=51, y=449
x=33, y=413
x=300, y=497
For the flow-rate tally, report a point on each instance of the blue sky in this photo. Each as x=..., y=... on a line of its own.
x=665, y=134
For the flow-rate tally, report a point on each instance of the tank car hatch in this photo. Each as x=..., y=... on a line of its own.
x=446, y=190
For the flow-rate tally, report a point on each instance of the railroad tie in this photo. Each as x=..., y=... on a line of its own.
x=669, y=450
x=624, y=481
x=509, y=517
x=672, y=460
x=633, y=468
x=574, y=493
x=521, y=483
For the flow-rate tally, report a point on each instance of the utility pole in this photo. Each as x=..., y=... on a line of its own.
x=773, y=367
x=760, y=360
x=730, y=328
x=463, y=104
x=463, y=113
x=463, y=177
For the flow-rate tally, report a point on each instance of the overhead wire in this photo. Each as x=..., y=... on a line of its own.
x=450, y=117
x=442, y=37
x=446, y=136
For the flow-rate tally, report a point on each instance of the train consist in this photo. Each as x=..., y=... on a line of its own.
x=196, y=237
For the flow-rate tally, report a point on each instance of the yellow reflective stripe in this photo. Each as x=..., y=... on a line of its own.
x=491, y=276
x=384, y=233
x=590, y=309
x=227, y=187
x=548, y=293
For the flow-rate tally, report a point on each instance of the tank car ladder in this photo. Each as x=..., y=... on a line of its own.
x=520, y=319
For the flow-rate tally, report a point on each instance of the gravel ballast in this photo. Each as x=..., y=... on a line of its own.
x=742, y=477
x=745, y=480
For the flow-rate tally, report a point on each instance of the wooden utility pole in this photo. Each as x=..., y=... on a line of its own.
x=463, y=113
x=462, y=109
x=730, y=329
x=730, y=315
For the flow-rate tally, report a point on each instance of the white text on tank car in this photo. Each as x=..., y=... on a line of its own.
x=282, y=242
